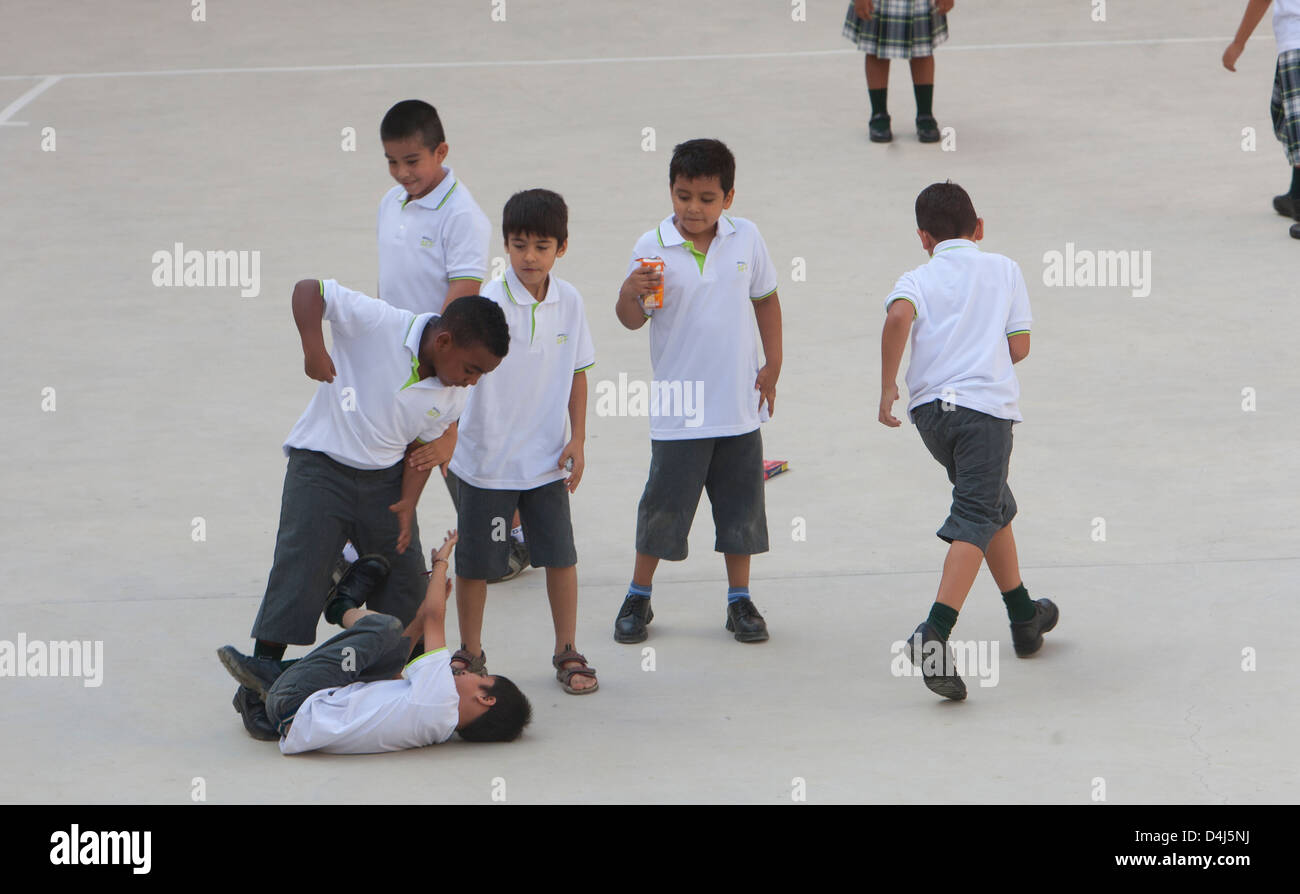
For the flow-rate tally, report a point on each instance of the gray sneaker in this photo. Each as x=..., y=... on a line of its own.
x=519, y=559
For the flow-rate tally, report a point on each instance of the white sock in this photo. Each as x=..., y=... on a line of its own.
x=350, y=552
x=517, y=533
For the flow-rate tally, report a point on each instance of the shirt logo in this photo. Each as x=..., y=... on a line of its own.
x=426, y=242
x=434, y=413
x=561, y=338
x=741, y=266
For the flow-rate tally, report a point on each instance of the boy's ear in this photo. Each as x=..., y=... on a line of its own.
x=440, y=154
x=928, y=242
x=979, y=230
x=564, y=246
x=727, y=199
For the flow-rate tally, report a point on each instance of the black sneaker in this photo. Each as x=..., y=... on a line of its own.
x=745, y=622
x=927, y=129
x=934, y=657
x=629, y=626
x=1027, y=636
x=358, y=583
x=519, y=559
x=878, y=128
x=249, y=705
x=256, y=673
x=1287, y=206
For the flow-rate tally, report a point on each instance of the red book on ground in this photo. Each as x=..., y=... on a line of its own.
x=773, y=467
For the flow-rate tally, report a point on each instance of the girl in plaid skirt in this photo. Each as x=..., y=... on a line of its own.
x=899, y=29
x=1285, y=106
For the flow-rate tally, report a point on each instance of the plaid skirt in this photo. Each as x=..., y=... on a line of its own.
x=1286, y=104
x=898, y=29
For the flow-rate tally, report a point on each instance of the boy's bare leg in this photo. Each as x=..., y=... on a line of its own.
x=643, y=572
x=959, y=570
x=1002, y=560
x=922, y=70
x=878, y=72
x=562, y=591
x=737, y=570
x=471, y=598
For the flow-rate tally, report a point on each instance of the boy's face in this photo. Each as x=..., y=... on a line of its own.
x=457, y=365
x=697, y=205
x=414, y=165
x=532, y=257
x=473, y=692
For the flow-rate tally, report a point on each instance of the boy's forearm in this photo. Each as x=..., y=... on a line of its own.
x=434, y=609
x=1255, y=10
x=578, y=407
x=768, y=314
x=413, y=481
x=459, y=288
x=893, y=339
x=309, y=312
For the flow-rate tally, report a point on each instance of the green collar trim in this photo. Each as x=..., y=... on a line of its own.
x=699, y=257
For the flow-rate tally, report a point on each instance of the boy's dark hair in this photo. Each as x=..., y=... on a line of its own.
x=944, y=210
x=536, y=212
x=505, y=720
x=703, y=158
x=475, y=320
x=410, y=118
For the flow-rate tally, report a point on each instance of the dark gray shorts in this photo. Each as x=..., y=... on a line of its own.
x=325, y=504
x=379, y=652
x=975, y=448
x=483, y=524
x=730, y=469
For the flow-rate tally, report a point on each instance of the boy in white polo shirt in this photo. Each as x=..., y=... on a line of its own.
x=392, y=381
x=513, y=452
x=710, y=393
x=1285, y=106
x=351, y=695
x=967, y=312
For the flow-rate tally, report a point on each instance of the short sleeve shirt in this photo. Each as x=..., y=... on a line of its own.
x=425, y=244
x=515, y=424
x=704, y=346
x=377, y=404
x=422, y=708
x=966, y=302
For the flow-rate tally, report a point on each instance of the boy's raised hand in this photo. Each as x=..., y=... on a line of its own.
x=318, y=365
x=888, y=395
x=444, y=552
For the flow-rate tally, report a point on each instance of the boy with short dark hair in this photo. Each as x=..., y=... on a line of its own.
x=967, y=314
x=394, y=381
x=513, y=453
x=362, y=692
x=709, y=388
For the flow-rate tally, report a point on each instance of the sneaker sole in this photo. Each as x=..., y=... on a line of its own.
x=241, y=675
x=952, y=688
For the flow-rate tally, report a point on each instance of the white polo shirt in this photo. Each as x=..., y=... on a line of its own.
x=377, y=404
x=1286, y=24
x=704, y=346
x=424, y=244
x=967, y=302
x=420, y=709
x=515, y=425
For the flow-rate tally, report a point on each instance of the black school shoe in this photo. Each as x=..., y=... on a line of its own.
x=1027, y=636
x=249, y=705
x=629, y=626
x=927, y=129
x=745, y=622
x=878, y=128
x=938, y=671
x=1287, y=206
x=256, y=673
x=1295, y=231
x=363, y=577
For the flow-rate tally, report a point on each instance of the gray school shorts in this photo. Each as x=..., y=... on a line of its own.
x=730, y=469
x=483, y=526
x=975, y=448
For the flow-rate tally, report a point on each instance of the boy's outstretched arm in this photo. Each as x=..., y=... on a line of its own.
x=413, y=482
x=1255, y=10
x=898, y=325
x=768, y=313
x=434, y=608
x=308, y=313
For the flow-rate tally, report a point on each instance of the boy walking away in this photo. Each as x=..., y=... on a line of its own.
x=899, y=29
x=709, y=393
x=513, y=450
x=1285, y=106
x=394, y=381
x=967, y=312
x=351, y=695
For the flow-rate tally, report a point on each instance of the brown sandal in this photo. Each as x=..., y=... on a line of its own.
x=565, y=674
x=473, y=664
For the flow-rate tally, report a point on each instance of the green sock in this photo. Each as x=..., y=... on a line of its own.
x=878, y=101
x=942, y=618
x=1019, y=606
x=924, y=98
x=334, y=611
